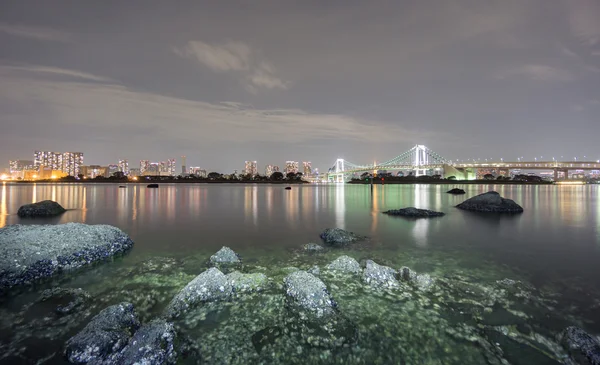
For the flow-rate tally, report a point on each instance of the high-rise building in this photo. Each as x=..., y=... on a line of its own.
x=134, y=172
x=183, y=166
x=124, y=167
x=50, y=159
x=307, y=168
x=269, y=170
x=197, y=171
x=72, y=162
x=251, y=168
x=111, y=170
x=153, y=169
x=170, y=167
x=275, y=168
x=291, y=166
x=144, y=165
x=20, y=165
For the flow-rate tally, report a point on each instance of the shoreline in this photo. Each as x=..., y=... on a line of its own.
x=450, y=182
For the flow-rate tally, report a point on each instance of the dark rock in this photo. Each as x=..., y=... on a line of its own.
x=225, y=256
x=456, y=191
x=414, y=213
x=122, y=186
x=152, y=186
x=46, y=208
x=312, y=247
x=379, y=276
x=422, y=282
x=584, y=348
x=152, y=344
x=208, y=286
x=308, y=293
x=105, y=335
x=66, y=300
x=339, y=237
x=242, y=283
x=406, y=274
x=288, y=188
x=345, y=264
x=490, y=202
x=29, y=253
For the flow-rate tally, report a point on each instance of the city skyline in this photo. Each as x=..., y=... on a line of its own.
x=466, y=78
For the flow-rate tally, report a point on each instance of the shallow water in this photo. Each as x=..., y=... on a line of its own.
x=468, y=318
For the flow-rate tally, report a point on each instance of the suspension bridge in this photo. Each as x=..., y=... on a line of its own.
x=421, y=160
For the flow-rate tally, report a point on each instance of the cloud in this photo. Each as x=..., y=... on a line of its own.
x=56, y=72
x=37, y=33
x=538, y=73
x=237, y=57
x=584, y=20
x=108, y=107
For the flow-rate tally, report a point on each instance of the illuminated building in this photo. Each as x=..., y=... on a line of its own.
x=144, y=165
x=170, y=167
x=72, y=162
x=269, y=170
x=251, y=168
x=134, y=172
x=307, y=168
x=111, y=170
x=153, y=169
x=183, y=166
x=124, y=167
x=92, y=171
x=275, y=168
x=291, y=166
x=20, y=165
x=197, y=171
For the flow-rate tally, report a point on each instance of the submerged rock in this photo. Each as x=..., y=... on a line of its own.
x=67, y=299
x=247, y=282
x=339, y=237
x=315, y=270
x=312, y=247
x=210, y=285
x=379, y=275
x=406, y=274
x=225, y=256
x=45, y=208
x=345, y=264
x=490, y=202
x=584, y=348
x=152, y=344
x=456, y=191
x=414, y=213
x=309, y=293
x=29, y=253
x=421, y=281
x=105, y=335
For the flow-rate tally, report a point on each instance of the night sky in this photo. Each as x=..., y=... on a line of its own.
x=228, y=81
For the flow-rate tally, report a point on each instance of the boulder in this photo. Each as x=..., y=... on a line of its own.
x=46, y=208
x=247, y=282
x=406, y=274
x=345, y=264
x=490, y=202
x=29, y=253
x=152, y=344
x=379, y=276
x=414, y=213
x=422, y=282
x=584, y=348
x=339, y=237
x=312, y=247
x=106, y=334
x=155, y=186
x=211, y=285
x=308, y=293
x=225, y=256
x=456, y=191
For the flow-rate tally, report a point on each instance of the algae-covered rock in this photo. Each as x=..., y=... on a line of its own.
x=379, y=276
x=340, y=237
x=247, y=282
x=308, y=293
x=345, y=264
x=225, y=256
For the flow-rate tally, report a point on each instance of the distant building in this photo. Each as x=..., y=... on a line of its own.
x=251, y=168
x=20, y=165
x=269, y=170
x=68, y=162
x=111, y=170
x=170, y=167
x=72, y=162
x=197, y=171
x=48, y=158
x=275, y=168
x=144, y=165
x=93, y=171
x=124, y=167
x=183, y=166
x=152, y=169
x=307, y=168
x=134, y=172
x=291, y=166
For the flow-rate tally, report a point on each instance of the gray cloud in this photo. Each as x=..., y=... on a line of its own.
x=37, y=33
x=234, y=56
x=538, y=73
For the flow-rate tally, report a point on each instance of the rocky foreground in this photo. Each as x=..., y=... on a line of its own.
x=30, y=253
x=490, y=202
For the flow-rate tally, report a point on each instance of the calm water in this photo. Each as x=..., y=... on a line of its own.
x=553, y=248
